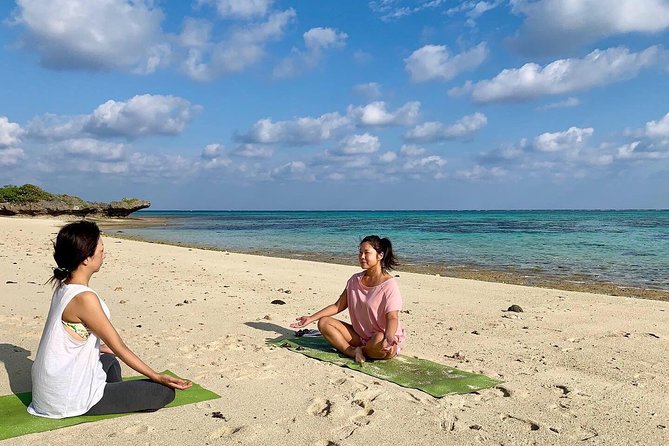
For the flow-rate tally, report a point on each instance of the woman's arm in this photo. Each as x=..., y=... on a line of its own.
x=392, y=322
x=330, y=310
x=86, y=306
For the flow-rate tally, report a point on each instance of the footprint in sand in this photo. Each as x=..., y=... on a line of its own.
x=320, y=407
x=138, y=429
x=225, y=432
x=362, y=418
x=529, y=423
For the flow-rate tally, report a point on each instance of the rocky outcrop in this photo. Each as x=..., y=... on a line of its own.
x=77, y=207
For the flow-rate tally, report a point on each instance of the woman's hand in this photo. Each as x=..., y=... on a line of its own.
x=389, y=341
x=302, y=321
x=172, y=382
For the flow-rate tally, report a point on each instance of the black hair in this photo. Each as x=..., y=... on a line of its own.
x=75, y=243
x=382, y=245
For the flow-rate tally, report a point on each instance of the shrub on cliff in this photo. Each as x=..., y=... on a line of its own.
x=27, y=193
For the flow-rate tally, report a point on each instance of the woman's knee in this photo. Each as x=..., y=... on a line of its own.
x=324, y=322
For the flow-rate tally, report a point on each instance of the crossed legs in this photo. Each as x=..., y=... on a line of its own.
x=342, y=337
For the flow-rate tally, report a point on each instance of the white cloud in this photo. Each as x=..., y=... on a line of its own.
x=143, y=115
x=358, y=145
x=370, y=90
x=393, y=9
x=573, y=138
x=299, y=131
x=436, y=131
x=658, y=129
x=636, y=151
x=253, y=151
x=554, y=26
x=316, y=40
x=563, y=76
x=411, y=150
x=240, y=9
x=241, y=49
x=294, y=170
x=10, y=156
x=388, y=157
x=212, y=151
x=10, y=132
x=432, y=165
x=100, y=35
x=567, y=103
x=433, y=62
x=375, y=114
x=92, y=149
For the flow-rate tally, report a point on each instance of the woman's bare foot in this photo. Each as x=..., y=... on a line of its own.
x=359, y=355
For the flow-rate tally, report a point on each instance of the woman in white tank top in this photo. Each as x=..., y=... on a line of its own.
x=76, y=371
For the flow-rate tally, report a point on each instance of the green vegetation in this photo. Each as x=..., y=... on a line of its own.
x=27, y=193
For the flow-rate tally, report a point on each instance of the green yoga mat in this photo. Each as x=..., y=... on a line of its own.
x=16, y=421
x=436, y=379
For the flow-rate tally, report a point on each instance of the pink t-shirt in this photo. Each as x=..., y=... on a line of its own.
x=368, y=306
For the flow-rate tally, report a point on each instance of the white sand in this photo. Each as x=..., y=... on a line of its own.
x=578, y=368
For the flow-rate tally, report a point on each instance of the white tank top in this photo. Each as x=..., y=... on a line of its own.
x=67, y=374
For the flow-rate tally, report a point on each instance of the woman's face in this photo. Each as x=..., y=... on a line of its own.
x=96, y=260
x=368, y=256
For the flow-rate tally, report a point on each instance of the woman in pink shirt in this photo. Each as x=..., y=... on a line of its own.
x=374, y=303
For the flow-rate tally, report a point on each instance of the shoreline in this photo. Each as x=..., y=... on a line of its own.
x=575, y=282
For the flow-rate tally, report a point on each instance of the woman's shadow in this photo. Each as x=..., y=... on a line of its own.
x=18, y=365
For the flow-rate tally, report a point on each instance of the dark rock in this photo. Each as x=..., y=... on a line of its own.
x=278, y=302
x=74, y=206
x=515, y=308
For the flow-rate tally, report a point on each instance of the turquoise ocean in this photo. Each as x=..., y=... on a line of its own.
x=628, y=247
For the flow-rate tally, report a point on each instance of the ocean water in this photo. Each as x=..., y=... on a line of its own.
x=624, y=247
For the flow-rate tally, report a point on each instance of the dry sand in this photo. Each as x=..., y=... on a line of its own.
x=578, y=368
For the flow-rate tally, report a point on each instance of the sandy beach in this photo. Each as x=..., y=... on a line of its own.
x=578, y=368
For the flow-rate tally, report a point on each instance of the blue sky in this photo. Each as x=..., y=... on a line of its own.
x=348, y=104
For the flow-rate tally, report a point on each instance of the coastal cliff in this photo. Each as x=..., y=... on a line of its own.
x=32, y=201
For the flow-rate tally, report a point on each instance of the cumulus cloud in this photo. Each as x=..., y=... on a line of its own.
x=212, y=151
x=142, y=115
x=11, y=156
x=300, y=131
x=316, y=40
x=388, y=157
x=102, y=35
x=253, y=151
x=436, y=131
x=556, y=26
x=432, y=165
x=294, y=170
x=433, y=62
x=638, y=151
x=239, y=9
x=563, y=76
x=92, y=149
x=243, y=47
x=411, y=150
x=10, y=137
x=10, y=132
x=358, y=145
x=375, y=114
x=658, y=129
x=573, y=138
